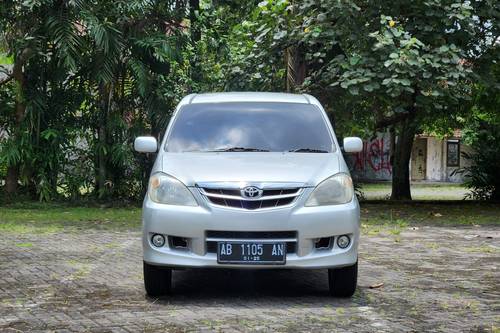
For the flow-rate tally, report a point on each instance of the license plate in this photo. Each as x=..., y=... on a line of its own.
x=253, y=253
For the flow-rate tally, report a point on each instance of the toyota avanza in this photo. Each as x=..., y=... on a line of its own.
x=250, y=181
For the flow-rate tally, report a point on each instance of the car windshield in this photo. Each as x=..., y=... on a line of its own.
x=250, y=127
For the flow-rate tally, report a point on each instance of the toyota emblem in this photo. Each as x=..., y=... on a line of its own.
x=251, y=192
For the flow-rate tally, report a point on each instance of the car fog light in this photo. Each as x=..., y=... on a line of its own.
x=343, y=241
x=158, y=240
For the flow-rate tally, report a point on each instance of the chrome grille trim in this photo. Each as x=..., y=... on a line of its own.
x=268, y=197
x=227, y=194
x=262, y=185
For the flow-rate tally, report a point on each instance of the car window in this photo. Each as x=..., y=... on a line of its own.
x=274, y=127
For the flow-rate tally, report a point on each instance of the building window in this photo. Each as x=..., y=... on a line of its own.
x=453, y=153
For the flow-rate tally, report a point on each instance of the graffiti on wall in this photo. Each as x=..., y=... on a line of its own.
x=374, y=161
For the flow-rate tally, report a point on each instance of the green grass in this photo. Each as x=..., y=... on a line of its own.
x=24, y=244
x=387, y=185
x=25, y=218
x=420, y=191
x=52, y=218
x=402, y=214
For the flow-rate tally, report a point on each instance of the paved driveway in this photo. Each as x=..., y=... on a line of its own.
x=435, y=278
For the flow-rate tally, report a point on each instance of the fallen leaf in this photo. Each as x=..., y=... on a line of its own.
x=376, y=285
x=470, y=236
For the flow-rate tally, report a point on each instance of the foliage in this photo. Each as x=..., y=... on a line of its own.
x=482, y=177
x=86, y=77
x=95, y=75
x=482, y=133
x=389, y=59
x=256, y=49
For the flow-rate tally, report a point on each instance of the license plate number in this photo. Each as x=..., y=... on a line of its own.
x=251, y=253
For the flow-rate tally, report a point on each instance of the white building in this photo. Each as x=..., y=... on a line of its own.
x=432, y=158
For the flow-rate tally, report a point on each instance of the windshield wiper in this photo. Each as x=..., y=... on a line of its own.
x=307, y=150
x=239, y=149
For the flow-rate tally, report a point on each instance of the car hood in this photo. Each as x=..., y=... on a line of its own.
x=307, y=168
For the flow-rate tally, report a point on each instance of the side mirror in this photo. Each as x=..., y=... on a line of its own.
x=353, y=145
x=145, y=144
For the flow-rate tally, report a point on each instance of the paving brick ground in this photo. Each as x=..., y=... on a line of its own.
x=435, y=279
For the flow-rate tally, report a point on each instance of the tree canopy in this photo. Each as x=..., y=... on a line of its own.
x=83, y=78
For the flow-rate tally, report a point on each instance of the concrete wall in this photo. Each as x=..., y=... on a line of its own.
x=418, y=162
x=435, y=159
x=373, y=163
x=437, y=168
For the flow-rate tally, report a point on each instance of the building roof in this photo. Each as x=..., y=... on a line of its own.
x=457, y=133
x=248, y=97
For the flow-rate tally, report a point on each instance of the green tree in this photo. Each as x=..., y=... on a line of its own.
x=381, y=64
x=481, y=130
x=87, y=77
x=33, y=123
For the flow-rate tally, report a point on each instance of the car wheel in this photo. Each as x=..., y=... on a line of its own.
x=157, y=280
x=343, y=281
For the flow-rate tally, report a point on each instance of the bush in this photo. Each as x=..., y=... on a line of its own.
x=483, y=176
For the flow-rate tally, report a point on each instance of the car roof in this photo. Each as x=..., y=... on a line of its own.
x=225, y=97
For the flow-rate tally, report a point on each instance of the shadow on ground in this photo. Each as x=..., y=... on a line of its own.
x=238, y=283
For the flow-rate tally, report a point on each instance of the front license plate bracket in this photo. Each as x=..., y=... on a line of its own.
x=251, y=253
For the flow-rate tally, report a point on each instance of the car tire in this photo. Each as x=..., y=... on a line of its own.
x=157, y=280
x=342, y=281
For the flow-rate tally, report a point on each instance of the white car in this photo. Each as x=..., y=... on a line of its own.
x=250, y=181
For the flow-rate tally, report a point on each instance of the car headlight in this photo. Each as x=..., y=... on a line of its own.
x=166, y=189
x=335, y=190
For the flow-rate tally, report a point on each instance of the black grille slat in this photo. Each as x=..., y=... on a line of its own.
x=231, y=192
x=250, y=204
x=212, y=247
x=271, y=192
x=279, y=191
x=269, y=203
x=233, y=203
x=251, y=234
x=222, y=191
x=218, y=201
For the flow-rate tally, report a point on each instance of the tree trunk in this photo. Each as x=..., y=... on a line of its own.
x=402, y=154
x=12, y=178
x=295, y=68
x=101, y=162
x=194, y=7
x=102, y=141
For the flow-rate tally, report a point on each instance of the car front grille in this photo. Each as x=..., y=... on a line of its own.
x=289, y=237
x=231, y=197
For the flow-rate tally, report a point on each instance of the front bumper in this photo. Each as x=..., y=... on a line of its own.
x=192, y=223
